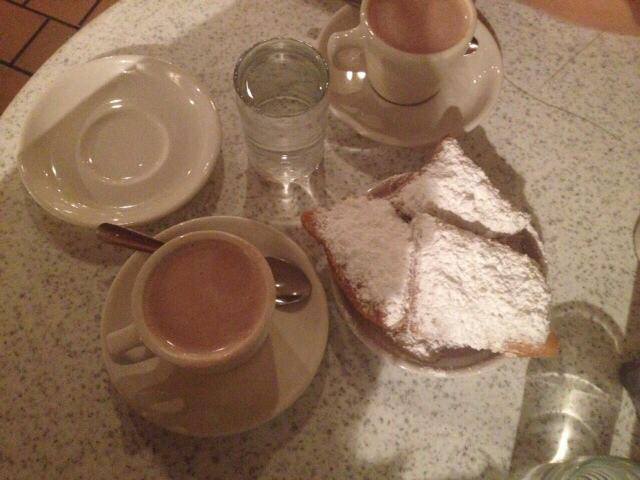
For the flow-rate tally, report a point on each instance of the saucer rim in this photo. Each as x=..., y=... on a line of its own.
x=82, y=218
x=365, y=131
x=322, y=314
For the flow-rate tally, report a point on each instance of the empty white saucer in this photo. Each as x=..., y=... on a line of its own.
x=467, y=95
x=212, y=404
x=123, y=139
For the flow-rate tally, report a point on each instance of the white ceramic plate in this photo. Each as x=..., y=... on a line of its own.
x=123, y=139
x=452, y=362
x=213, y=404
x=467, y=95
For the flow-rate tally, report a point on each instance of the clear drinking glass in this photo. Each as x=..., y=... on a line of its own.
x=590, y=468
x=281, y=87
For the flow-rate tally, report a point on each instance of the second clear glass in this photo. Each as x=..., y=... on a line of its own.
x=587, y=468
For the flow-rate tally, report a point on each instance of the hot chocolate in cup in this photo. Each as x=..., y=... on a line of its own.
x=408, y=46
x=202, y=300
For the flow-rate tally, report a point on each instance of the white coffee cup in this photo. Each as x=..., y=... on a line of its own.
x=398, y=76
x=232, y=355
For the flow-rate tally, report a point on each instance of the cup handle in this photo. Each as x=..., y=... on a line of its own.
x=343, y=81
x=123, y=340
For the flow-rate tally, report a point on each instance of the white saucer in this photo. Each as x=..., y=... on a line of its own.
x=467, y=96
x=213, y=404
x=124, y=139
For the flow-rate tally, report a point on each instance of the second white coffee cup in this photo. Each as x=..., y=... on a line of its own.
x=400, y=76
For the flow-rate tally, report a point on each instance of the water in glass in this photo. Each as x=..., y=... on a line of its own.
x=281, y=86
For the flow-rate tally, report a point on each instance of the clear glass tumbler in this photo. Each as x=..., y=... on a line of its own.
x=281, y=87
x=587, y=468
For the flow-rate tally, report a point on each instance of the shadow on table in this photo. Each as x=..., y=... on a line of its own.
x=317, y=435
x=280, y=205
x=376, y=162
x=571, y=403
x=78, y=242
x=82, y=242
x=373, y=159
x=502, y=175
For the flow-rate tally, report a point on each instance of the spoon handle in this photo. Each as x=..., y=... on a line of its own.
x=125, y=237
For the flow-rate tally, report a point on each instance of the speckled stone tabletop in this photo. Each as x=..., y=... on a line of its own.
x=562, y=142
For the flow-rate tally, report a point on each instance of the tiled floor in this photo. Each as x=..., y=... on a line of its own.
x=31, y=30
